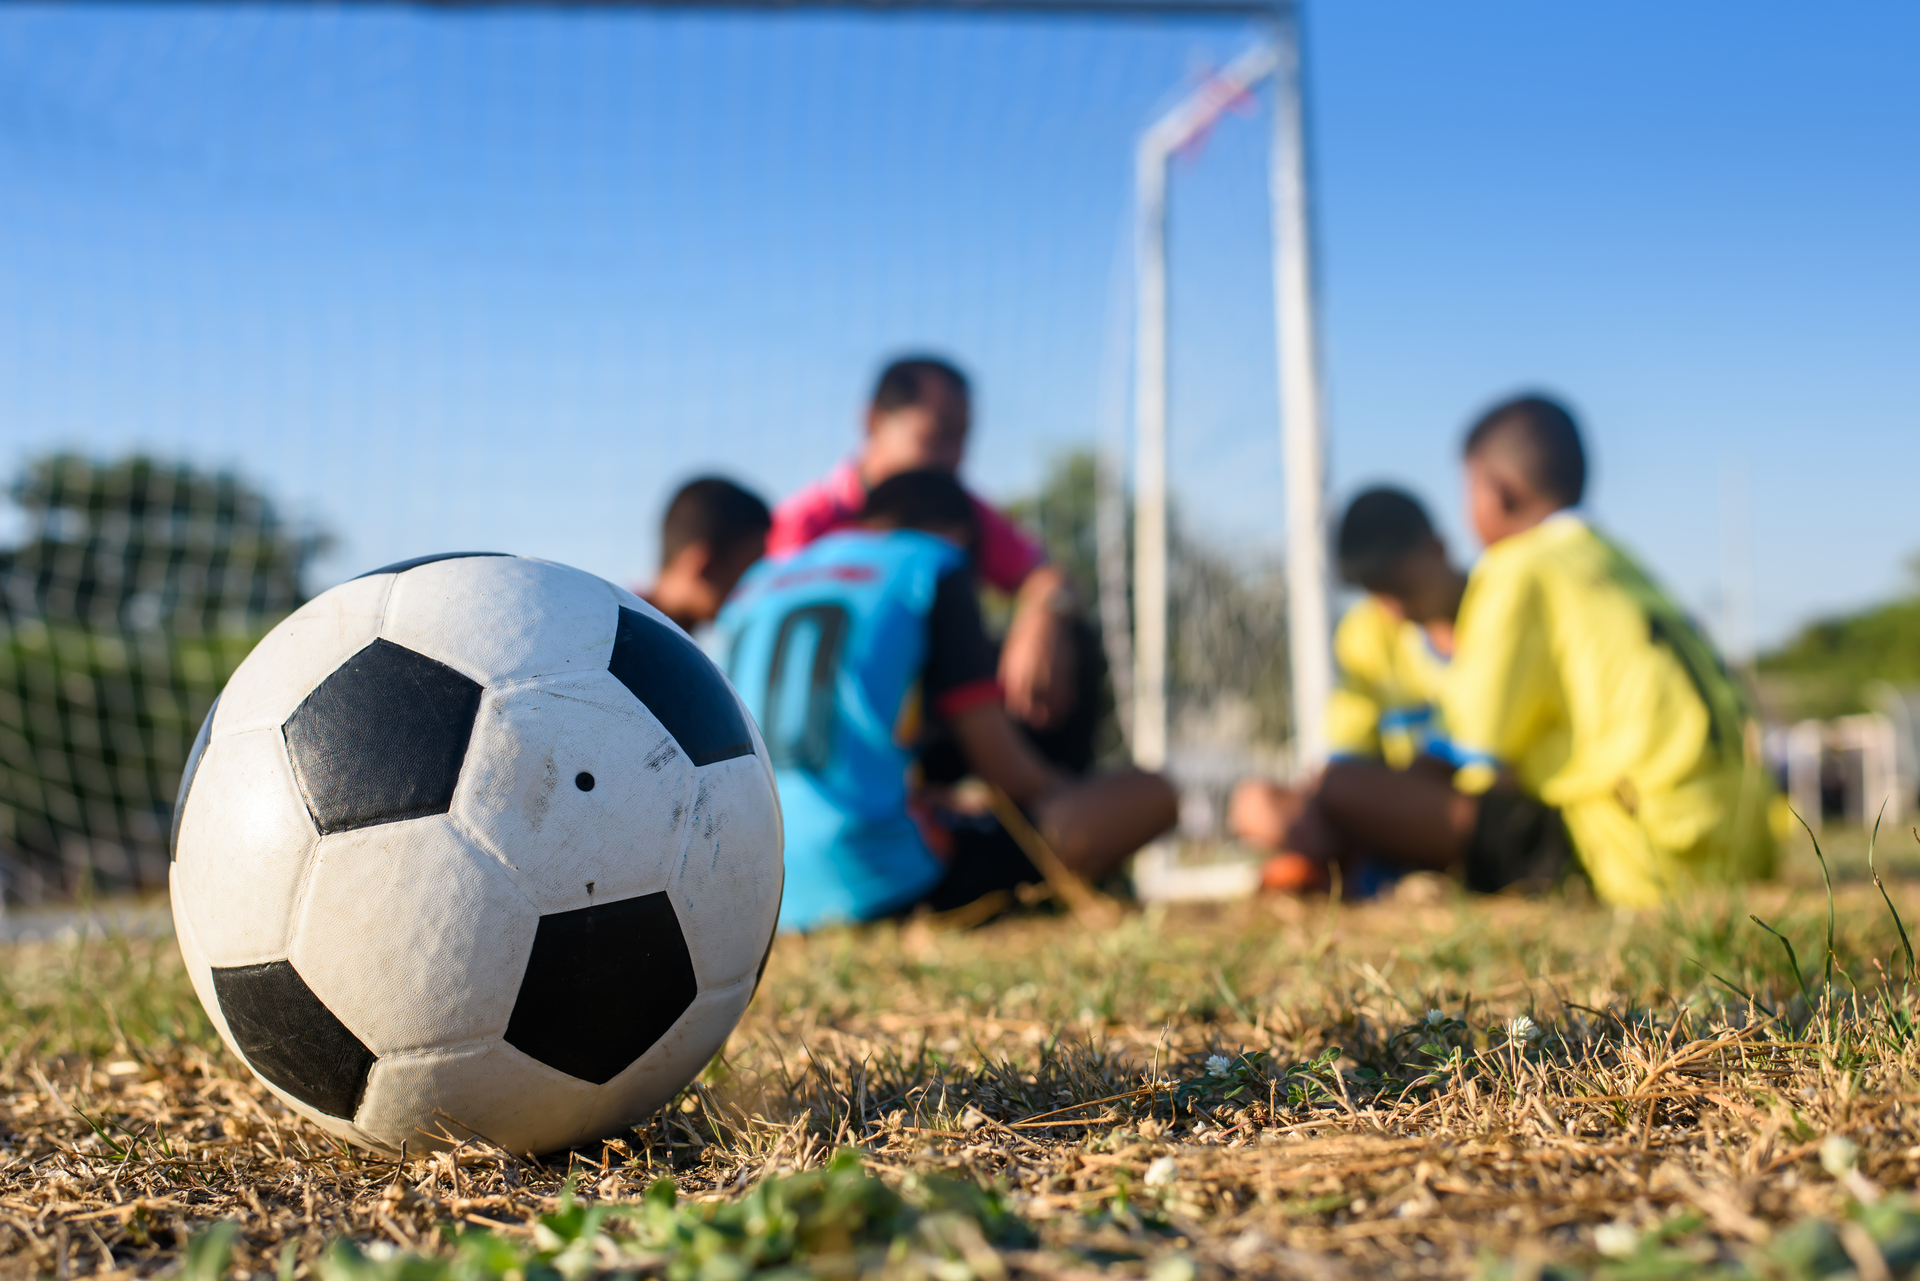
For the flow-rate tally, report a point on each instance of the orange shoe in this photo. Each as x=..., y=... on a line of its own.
x=1291, y=873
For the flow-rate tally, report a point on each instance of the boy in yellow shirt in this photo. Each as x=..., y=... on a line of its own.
x=1584, y=712
x=1390, y=651
x=1392, y=647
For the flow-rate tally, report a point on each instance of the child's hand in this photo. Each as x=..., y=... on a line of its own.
x=1260, y=812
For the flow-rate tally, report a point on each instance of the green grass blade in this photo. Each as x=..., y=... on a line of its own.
x=1826, y=981
x=1905, y=942
x=1728, y=984
x=208, y=1252
x=119, y=1152
x=1792, y=960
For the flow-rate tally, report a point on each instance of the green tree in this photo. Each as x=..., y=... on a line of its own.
x=140, y=586
x=1826, y=667
x=1064, y=513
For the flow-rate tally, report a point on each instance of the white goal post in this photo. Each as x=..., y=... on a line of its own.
x=1302, y=429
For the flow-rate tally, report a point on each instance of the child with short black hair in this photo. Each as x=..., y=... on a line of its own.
x=712, y=532
x=1390, y=654
x=920, y=416
x=1579, y=679
x=846, y=652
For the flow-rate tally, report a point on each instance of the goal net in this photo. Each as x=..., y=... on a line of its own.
x=288, y=292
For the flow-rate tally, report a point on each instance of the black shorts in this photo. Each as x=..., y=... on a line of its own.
x=986, y=860
x=1517, y=843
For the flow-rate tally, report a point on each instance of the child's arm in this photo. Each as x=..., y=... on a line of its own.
x=1498, y=689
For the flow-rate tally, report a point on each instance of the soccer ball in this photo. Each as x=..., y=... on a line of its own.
x=476, y=844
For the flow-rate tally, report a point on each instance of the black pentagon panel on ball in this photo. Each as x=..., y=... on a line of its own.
x=194, y=754
x=382, y=738
x=681, y=687
x=602, y=985
x=291, y=1038
x=402, y=566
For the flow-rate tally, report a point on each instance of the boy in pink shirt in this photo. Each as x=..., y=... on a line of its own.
x=919, y=418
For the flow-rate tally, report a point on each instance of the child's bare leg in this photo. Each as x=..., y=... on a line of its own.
x=1096, y=822
x=1412, y=818
x=1286, y=822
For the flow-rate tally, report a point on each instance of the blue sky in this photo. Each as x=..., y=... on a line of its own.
x=503, y=278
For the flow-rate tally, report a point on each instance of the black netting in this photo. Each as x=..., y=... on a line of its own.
x=137, y=588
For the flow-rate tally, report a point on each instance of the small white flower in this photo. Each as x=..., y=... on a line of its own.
x=1615, y=1240
x=1218, y=1065
x=1436, y=1017
x=1160, y=1172
x=1173, y=1267
x=1522, y=1028
x=1840, y=1156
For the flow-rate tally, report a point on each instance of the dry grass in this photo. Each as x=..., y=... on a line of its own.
x=1261, y=1089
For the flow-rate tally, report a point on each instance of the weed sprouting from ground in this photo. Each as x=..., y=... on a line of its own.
x=1426, y=1086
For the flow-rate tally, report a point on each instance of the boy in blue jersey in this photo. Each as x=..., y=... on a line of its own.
x=846, y=653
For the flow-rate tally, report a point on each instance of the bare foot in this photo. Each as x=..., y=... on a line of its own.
x=1290, y=873
x=1261, y=812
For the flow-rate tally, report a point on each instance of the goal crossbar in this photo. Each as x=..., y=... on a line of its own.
x=1149, y=8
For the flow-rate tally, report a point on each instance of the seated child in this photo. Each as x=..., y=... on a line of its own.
x=1588, y=717
x=712, y=532
x=843, y=651
x=1390, y=654
x=920, y=417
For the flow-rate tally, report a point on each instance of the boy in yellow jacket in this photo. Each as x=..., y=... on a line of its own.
x=1583, y=712
x=1390, y=656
